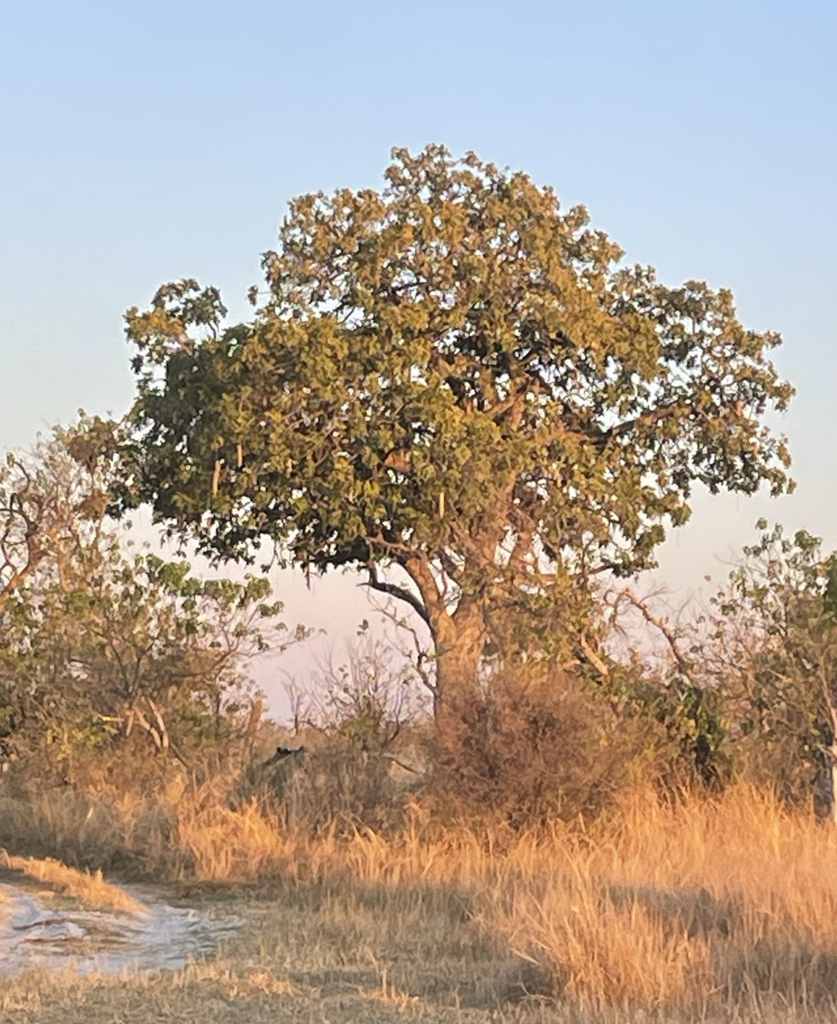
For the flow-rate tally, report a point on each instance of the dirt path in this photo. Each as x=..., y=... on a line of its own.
x=39, y=930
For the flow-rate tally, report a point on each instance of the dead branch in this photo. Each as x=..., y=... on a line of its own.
x=682, y=662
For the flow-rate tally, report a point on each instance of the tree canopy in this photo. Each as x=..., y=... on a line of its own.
x=456, y=378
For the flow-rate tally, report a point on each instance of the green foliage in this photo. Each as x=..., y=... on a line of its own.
x=692, y=718
x=102, y=639
x=44, y=498
x=456, y=378
x=775, y=643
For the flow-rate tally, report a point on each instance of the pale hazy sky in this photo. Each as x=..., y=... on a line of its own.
x=142, y=142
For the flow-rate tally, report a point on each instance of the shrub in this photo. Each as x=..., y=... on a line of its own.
x=533, y=745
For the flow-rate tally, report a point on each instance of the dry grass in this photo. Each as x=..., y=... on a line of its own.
x=719, y=909
x=90, y=889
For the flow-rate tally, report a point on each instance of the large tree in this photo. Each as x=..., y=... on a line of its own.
x=457, y=387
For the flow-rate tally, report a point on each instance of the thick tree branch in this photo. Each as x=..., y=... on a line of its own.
x=397, y=591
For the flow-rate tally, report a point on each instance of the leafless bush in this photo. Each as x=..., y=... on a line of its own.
x=367, y=700
x=349, y=720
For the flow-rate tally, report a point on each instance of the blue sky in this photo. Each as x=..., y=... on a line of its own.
x=143, y=142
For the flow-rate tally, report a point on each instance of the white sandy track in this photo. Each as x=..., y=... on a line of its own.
x=39, y=932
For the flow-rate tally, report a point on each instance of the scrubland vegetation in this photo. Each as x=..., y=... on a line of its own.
x=557, y=801
x=601, y=889
x=709, y=908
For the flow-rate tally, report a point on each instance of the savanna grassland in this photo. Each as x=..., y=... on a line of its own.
x=606, y=811
x=710, y=909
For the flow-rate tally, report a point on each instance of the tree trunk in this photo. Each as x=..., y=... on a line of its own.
x=832, y=768
x=832, y=809
x=459, y=640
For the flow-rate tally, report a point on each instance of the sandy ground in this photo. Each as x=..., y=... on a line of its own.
x=306, y=955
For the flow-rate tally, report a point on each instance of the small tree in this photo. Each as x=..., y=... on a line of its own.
x=775, y=658
x=46, y=498
x=101, y=639
x=459, y=388
x=666, y=684
x=367, y=701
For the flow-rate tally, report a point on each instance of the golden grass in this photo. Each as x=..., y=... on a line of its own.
x=91, y=889
x=718, y=909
